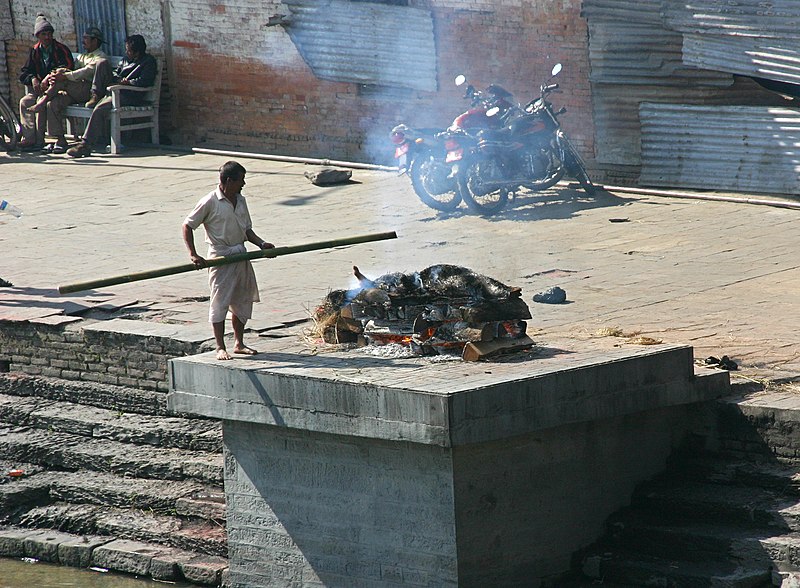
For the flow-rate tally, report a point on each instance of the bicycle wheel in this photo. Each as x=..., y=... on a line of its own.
x=9, y=126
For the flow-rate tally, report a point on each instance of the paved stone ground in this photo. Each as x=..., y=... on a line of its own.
x=723, y=277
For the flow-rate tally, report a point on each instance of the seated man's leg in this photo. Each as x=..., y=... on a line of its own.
x=103, y=76
x=55, y=118
x=28, y=121
x=95, y=129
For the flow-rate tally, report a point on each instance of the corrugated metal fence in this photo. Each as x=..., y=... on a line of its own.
x=366, y=43
x=685, y=55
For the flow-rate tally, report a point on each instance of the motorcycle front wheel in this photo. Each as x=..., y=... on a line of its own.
x=431, y=181
x=576, y=168
x=477, y=197
x=9, y=127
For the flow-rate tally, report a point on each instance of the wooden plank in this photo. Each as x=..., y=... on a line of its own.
x=475, y=350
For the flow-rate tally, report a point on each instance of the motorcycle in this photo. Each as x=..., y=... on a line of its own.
x=430, y=156
x=530, y=151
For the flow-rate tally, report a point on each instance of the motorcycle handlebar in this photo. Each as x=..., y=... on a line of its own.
x=550, y=88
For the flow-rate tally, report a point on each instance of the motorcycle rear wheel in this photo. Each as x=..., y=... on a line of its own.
x=422, y=172
x=478, y=200
x=9, y=127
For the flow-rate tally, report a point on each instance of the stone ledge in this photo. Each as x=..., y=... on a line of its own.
x=444, y=404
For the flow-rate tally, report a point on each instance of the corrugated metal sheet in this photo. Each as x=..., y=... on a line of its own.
x=630, y=11
x=777, y=19
x=616, y=114
x=366, y=43
x=774, y=60
x=736, y=148
x=643, y=53
x=108, y=16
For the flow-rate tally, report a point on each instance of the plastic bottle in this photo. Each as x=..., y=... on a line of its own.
x=5, y=206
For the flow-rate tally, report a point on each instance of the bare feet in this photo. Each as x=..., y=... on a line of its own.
x=223, y=354
x=244, y=350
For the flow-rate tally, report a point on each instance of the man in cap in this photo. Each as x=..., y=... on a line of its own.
x=45, y=56
x=137, y=69
x=88, y=80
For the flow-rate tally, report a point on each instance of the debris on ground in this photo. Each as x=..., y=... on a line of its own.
x=723, y=363
x=554, y=295
x=5, y=284
x=329, y=176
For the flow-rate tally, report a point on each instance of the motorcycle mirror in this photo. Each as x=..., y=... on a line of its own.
x=460, y=79
x=492, y=111
x=556, y=69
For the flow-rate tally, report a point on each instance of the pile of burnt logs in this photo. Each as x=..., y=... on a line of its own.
x=441, y=309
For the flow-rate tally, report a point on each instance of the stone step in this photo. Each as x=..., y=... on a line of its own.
x=766, y=424
x=102, y=423
x=143, y=559
x=783, y=476
x=75, y=452
x=704, y=542
x=637, y=570
x=207, y=537
x=120, y=398
x=183, y=497
x=715, y=503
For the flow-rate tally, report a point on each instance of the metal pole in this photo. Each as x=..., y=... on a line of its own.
x=217, y=261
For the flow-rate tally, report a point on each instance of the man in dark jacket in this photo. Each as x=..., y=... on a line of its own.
x=137, y=69
x=45, y=56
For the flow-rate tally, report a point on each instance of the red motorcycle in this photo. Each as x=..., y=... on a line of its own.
x=431, y=157
x=529, y=151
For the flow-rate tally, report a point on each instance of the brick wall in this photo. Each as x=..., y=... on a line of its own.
x=243, y=84
x=74, y=353
x=233, y=82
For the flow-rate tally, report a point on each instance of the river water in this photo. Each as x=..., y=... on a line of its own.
x=15, y=573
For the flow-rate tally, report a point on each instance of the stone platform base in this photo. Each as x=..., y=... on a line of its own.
x=348, y=470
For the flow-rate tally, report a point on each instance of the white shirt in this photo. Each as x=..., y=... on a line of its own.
x=85, y=65
x=225, y=226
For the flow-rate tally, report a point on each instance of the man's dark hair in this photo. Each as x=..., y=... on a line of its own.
x=231, y=170
x=137, y=44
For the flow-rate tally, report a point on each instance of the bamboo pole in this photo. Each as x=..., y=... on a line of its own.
x=217, y=261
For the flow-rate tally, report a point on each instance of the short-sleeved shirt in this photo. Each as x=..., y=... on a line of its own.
x=85, y=65
x=225, y=226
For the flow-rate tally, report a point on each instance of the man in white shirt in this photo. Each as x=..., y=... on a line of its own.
x=226, y=219
x=65, y=87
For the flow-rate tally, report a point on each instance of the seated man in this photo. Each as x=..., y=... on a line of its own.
x=81, y=85
x=45, y=56
x=138, y=68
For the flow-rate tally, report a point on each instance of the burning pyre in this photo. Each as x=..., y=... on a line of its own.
x=441, y=309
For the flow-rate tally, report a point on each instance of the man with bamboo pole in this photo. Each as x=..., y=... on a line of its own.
x=226, y=220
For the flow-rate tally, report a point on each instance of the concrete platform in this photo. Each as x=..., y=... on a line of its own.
x=350, y=470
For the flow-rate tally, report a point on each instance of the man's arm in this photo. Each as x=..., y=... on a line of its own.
x=188, y=239
x=28, y=71
x=257, y=241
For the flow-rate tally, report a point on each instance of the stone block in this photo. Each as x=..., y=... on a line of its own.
x=12, y=542
x=131, y=557
x=77, y=552
x=43, y=545
x=205, y=570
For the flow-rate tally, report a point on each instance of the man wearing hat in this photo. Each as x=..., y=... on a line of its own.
x=45, y=56
x=85, y=83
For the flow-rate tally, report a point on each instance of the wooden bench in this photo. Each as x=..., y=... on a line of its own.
x=122, y=118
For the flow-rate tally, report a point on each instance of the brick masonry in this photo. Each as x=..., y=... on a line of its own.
x=232, y=81
x=74, y=352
